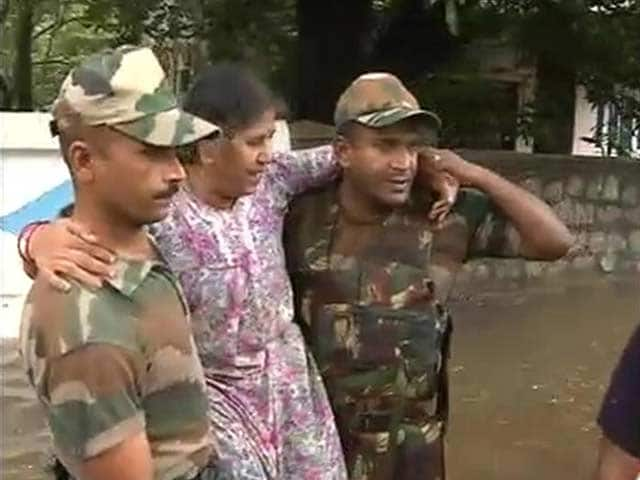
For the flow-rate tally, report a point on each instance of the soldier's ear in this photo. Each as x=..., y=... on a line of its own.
x=81, y=161
x=342, y=151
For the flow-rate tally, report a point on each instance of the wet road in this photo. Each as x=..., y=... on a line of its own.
x=529, y=368
x=24, y=435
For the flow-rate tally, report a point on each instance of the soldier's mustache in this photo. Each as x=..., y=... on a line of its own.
x=168, y=193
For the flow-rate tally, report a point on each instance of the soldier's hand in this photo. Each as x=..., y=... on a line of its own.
x=446, y=188
x=447, y=161
x=443, y=184
x=64, y=249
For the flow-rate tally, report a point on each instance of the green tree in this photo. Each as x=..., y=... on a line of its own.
x=588, y=42
x=41, y=39
x=310, y=50
x=338, y=40
x=22, y=66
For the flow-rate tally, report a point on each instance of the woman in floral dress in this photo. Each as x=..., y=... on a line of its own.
x=223, y=238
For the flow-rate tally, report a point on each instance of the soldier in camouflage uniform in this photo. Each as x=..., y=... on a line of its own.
x=366, y=264
x=115, y=368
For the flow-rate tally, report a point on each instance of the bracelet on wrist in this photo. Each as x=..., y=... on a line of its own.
x=24, y=241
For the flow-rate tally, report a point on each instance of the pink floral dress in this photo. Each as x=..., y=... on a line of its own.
x=268, y=406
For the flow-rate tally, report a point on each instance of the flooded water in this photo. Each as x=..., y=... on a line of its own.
x=529, y=368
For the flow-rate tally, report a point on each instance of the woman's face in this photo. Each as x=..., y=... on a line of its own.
x=242, y=159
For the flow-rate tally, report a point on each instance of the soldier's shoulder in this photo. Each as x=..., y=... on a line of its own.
x=327, y=191
x=469, y=194
x=315, y=199
x=471, y=203
x=46, y=305
x=63, y=321
x=419, y=203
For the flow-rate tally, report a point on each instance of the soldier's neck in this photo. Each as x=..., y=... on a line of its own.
x=114, y=233
x=358, y=207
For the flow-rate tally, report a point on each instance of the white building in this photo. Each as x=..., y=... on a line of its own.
x=591, y=118
x=500, y=62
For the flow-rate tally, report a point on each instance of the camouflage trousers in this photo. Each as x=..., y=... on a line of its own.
x=416, y=457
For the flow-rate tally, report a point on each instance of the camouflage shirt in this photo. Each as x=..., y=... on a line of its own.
x=110, y=363
x=474, y=228
x=369, y=307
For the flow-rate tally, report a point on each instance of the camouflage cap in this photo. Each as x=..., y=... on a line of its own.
x=126, y=89
x=379, y=100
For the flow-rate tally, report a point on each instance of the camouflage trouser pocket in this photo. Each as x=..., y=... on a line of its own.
x=367, y=456
x=367, y=347
x=367, y=443
x=416, y=452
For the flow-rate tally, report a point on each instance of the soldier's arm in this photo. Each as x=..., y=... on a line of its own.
x=94, y=413
x=541, y=234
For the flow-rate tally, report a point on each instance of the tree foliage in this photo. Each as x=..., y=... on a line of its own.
x=309, y=50
x=590, y=42
x=41, y=39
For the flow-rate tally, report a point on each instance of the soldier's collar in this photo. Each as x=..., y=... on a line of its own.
x=340, y=210
x=131, y=272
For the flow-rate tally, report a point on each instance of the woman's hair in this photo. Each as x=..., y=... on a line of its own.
x=230, y=96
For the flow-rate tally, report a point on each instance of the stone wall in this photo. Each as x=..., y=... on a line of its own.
x=598, y=198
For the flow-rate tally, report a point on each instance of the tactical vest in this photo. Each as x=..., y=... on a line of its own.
x=368, y=312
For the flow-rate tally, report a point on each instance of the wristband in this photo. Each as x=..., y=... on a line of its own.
x=24, y=240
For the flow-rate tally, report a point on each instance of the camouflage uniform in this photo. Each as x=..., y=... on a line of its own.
x=110, y=363
x=368, y=306
x=474, y=228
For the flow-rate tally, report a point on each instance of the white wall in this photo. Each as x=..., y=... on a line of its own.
x=30, y=166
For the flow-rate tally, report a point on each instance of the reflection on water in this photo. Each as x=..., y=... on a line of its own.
x=529, y=369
